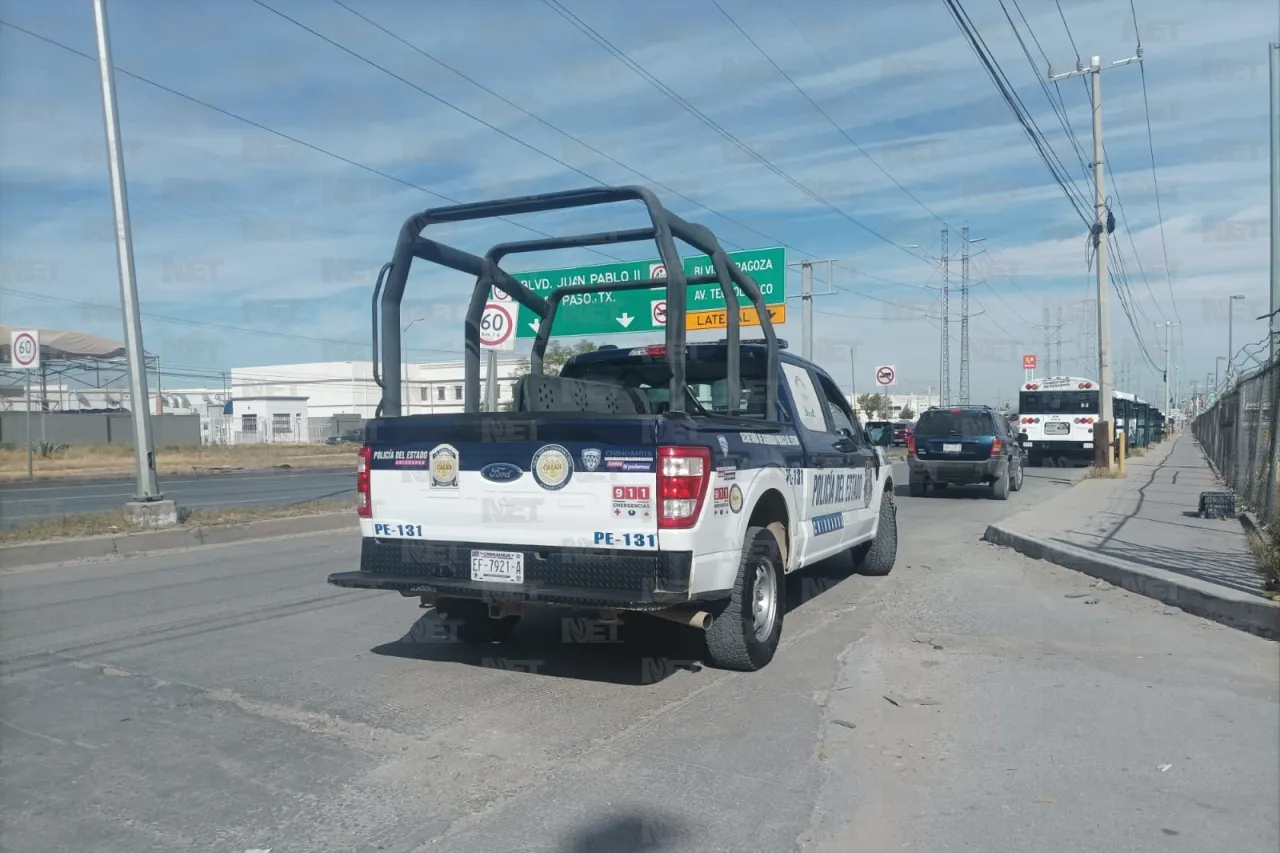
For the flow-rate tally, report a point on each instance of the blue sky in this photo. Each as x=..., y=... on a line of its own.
x=253, y=249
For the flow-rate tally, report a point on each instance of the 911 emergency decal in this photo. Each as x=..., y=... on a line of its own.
x=632, y=501
x=552, y=467
x=443, y=461
x=720, y=500
x=837, y=487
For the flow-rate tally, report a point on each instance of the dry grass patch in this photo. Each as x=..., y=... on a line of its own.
x=114, y=459
x=116, y=521
x=1266, y=548
x=1096, y=473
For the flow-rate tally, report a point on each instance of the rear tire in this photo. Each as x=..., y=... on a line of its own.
x=1016, y=483
x=915, y=488
x=472, y=621
x=1000, y=488
x=746, y=628
x=883, y=553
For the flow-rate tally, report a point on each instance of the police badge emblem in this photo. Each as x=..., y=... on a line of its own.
x=591, y=458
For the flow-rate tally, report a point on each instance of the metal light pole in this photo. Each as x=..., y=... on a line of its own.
x=1217, y=377
x=404, y=360
x=140, y=409
x=1231, y=314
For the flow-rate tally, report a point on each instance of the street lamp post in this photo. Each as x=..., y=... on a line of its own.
x=1216, y=376
x=404, y=360
x=1231, y=314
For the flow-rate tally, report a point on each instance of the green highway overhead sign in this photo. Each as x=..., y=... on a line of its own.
x=646, y=310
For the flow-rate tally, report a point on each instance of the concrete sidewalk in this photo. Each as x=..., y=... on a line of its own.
x=1144, y=533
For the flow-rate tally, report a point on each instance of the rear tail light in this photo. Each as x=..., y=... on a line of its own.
x=364, y=497
x=997, y=446
x=911, y=444
x=683, y=475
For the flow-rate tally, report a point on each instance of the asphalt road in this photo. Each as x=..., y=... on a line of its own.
x=24, y=502
x=226, y=699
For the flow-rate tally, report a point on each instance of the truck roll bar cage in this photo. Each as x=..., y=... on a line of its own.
x=666, y=228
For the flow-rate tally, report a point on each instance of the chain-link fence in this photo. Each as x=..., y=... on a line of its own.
x=1238, y=432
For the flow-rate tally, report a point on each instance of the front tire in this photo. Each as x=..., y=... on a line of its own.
x=746, y=628
x=883, y=553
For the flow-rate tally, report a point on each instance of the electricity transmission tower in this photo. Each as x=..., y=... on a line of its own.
x=944, y=381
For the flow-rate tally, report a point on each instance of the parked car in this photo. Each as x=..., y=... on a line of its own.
x=351, y=436
x=965, y=446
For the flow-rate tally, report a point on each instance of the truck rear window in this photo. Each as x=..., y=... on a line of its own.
x=954, y=423
x=705, y=378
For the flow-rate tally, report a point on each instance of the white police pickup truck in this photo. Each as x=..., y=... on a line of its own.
x=600, y=492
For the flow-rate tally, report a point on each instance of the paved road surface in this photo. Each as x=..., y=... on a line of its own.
x=226, y=699
x=24, y=502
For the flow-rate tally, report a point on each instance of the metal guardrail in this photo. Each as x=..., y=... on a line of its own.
x=1238, y=433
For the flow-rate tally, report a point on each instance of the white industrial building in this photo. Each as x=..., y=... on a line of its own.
x=249, y=420
x=347, y=387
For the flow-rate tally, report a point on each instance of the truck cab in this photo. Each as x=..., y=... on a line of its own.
x=679, y=480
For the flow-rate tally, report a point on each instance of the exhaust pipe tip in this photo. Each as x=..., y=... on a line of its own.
x=700, y=619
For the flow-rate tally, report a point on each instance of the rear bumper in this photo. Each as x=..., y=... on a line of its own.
x=958, y=471
x=584, y=577
x=1053, y=449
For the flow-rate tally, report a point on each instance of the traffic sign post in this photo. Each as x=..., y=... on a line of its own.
x=646, y=310
x=886, y=375
x=497, y=332
x=24, y=354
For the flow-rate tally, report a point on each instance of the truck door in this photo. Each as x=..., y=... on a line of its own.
x=862, y=498
x=826, y=488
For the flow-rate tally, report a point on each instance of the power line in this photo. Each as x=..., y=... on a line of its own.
x=817, y=107
x=1151, y=148
x=1010, y=97
x=622, y=57
x=282, y=135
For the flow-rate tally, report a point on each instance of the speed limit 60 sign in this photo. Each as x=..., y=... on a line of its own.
x=24, y=349
x=498, y=326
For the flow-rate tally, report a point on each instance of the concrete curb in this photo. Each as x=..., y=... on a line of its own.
x=1226, y=606
x=135, y=544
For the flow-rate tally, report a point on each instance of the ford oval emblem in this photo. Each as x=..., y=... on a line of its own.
x=501, y=472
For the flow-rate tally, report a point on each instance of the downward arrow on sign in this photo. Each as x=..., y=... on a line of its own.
x=534, y=325
x=625, y=319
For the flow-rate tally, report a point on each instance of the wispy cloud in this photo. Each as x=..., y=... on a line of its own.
x=230, y=220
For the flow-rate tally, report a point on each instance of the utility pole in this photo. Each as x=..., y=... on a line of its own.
x=1102, y=226
x=806, y=308
x=944, y=383
x=964, y=315
x=161, y=513
x=1167, y=326
x=1274, y=323
x=806, y=299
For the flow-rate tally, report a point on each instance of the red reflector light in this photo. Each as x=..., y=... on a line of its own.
x=683, y=475
x=364, y=497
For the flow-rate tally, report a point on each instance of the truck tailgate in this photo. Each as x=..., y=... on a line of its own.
x=512, y=480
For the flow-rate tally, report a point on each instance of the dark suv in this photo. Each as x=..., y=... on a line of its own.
x=963, y=446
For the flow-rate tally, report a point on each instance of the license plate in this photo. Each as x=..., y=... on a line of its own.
x=950, y=448
x=1088, y=445
x=500, y=566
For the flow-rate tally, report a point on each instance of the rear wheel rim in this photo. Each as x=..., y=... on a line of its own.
x=764, y=600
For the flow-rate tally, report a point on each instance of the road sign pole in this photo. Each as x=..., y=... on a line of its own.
x=144, y=447
x=31, y=475
x=491, y=381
